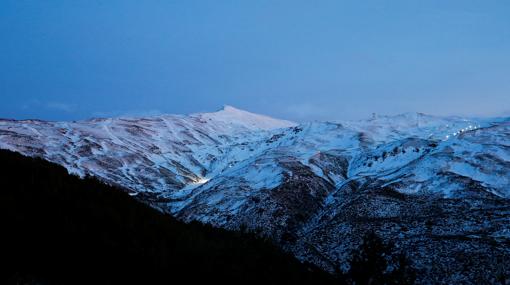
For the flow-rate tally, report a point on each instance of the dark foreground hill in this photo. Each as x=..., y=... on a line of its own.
x=60, y=229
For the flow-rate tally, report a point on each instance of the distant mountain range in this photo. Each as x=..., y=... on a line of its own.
x=436, y=187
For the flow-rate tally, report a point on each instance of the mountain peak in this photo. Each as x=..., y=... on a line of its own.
x=231, y=115
x=229, y=108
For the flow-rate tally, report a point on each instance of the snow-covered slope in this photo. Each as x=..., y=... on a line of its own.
x=155, y=155
x=313, y=188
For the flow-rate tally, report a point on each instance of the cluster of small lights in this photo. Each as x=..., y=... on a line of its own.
x=468, y=128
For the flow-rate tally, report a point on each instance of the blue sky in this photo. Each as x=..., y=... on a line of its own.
x=300, y=60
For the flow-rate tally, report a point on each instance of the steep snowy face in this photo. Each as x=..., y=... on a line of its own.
x=314, y=188
x=474, y=151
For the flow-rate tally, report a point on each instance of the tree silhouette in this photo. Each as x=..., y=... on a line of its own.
x=374, y=263
x=60, y=229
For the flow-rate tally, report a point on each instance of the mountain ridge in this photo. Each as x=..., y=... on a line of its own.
x=301, y=181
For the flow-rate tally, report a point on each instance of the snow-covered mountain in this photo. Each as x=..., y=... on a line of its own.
x=438, y=187
x=155, y=156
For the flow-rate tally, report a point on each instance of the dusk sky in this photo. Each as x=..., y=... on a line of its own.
x=298, y=60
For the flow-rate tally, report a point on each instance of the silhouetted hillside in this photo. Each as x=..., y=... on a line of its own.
x=58, y=228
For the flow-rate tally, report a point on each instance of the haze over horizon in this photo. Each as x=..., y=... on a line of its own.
x=156, y=113
x=292, y=60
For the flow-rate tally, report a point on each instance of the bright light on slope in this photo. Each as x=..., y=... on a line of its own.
x=201, y=181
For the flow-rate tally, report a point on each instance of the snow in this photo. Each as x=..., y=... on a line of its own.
x=175, y=154
x=230, y=115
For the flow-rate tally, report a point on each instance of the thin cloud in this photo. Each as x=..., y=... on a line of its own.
x=52, y=106
x=128, y=113
x=59, y=106
x=308, y=111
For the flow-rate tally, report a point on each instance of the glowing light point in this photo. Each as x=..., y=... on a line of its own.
x=200, y=181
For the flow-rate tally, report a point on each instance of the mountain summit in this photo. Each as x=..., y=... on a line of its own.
x=229, y=114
